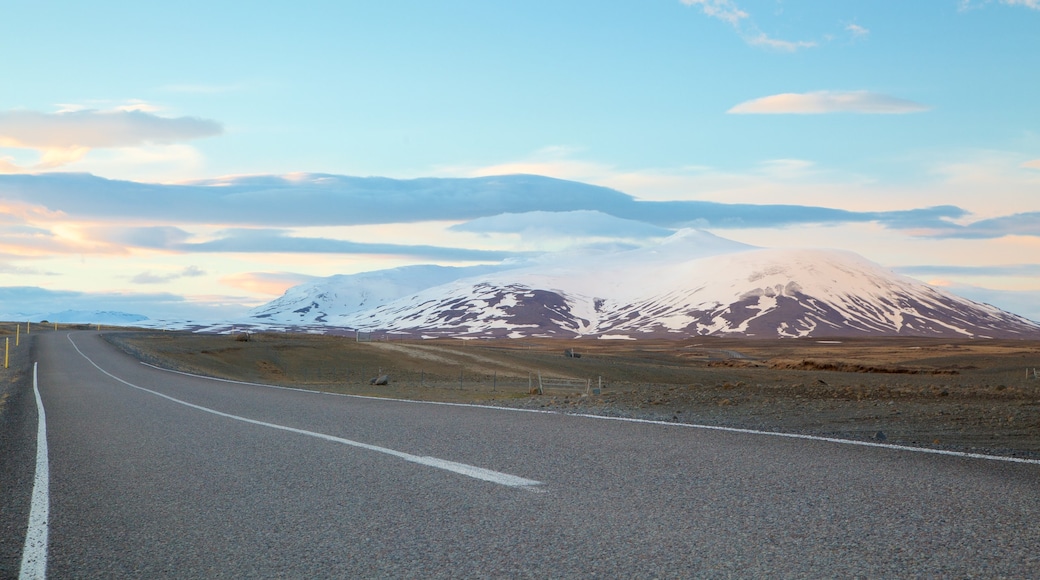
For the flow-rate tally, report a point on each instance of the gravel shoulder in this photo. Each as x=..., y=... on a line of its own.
x=17, y=450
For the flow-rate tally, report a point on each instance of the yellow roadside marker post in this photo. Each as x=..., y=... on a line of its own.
x=27, y=323
x=7, y=350
x=17, y=334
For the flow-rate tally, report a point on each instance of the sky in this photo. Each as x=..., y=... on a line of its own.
x=198, y=159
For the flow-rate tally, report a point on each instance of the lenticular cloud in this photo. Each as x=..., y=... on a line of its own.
x=821, y=102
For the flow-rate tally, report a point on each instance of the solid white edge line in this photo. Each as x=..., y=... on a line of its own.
x=34, y=553
x=837, y=440
x=460, y=468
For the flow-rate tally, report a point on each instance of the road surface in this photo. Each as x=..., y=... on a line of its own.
x=155, y=474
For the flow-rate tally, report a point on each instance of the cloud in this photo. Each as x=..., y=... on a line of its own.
x=150, y=278
x=1019, y=224
x=857, y=31
x=131, y=105
x=29, y=240
x=1034, y=164
x=327, y=200
x=1034, y=4
x=268, y=240
x=312, y=200
x=724, y=10
x=761, y=39
x=554, y=160
x=278, y=241
x=90, y=128
x=1022, y=302
x=573, y=224
x=306, y=199
x=1031, y=270
x=20, y=271
x=156, y=237
x=821, y=102
x=728, y=11
x=706, y=214
x=35, y=303
x=65, y=137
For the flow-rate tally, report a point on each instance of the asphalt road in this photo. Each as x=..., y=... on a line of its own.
x=205, y=479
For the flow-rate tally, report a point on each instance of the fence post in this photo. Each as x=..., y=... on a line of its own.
x=494, y=385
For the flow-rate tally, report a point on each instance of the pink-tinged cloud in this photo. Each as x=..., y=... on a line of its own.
x=1034, y=4
x=1034, y=164
x=823, y=102
x=65, y=137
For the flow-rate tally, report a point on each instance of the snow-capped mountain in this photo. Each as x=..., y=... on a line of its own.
x=692, y=284
x=336, y=296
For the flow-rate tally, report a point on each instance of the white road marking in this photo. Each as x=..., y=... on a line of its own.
x=647, y=421
x=34, y=554
x=460, y=468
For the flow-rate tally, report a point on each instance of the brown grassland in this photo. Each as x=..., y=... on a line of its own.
x=966, y=395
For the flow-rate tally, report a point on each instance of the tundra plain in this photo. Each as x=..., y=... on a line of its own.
x=967, y=395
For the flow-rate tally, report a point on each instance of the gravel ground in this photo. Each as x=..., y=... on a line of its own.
x=17, y=452
x=973, y=396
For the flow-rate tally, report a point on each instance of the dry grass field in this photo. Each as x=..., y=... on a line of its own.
x=969, y=395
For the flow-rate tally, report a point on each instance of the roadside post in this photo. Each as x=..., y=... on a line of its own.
x=7, y=350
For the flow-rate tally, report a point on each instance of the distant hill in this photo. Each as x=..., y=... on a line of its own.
x=91, y=316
